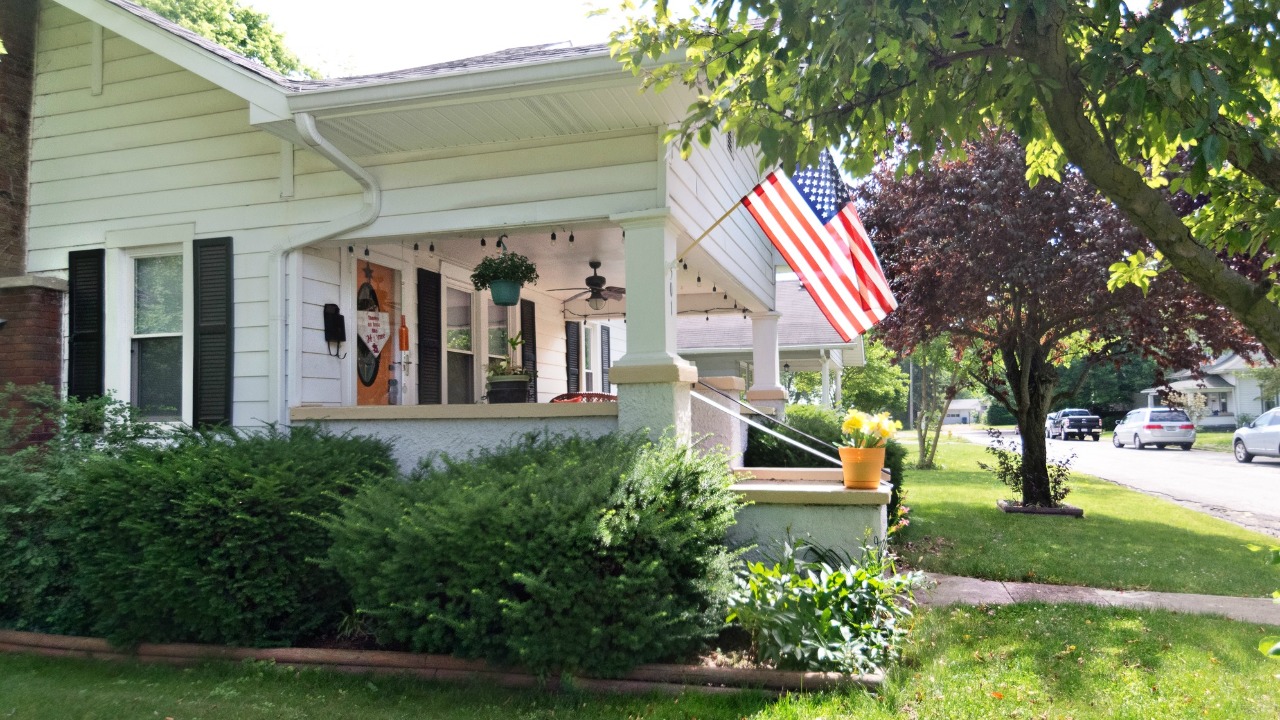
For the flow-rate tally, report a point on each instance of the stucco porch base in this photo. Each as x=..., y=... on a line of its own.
x=417, y=432
x=806, y=503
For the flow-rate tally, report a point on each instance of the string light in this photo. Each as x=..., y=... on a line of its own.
x=571, y=236
x=432, y=247
x=684, y=264
x=415, y=247
x=366, y=251
x=713, y=288
x=351, y=250
x=699, y=279
x=482, y=243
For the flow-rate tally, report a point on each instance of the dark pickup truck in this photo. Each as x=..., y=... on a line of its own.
x=1074, y=422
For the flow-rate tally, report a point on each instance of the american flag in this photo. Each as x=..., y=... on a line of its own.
x=811, y=220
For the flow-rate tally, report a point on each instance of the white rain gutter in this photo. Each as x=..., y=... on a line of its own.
x=283, y=263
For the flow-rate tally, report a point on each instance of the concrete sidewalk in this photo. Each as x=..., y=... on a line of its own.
x=953, y=590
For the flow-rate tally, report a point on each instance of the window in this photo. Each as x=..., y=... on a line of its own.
x=459, y=354
x=154, y=323
x=588, y=362
x=156, y=341
x=499, y=332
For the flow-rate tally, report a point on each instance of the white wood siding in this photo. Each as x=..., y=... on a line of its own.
x=701, y=189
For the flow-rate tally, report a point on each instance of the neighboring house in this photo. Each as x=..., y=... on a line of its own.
x=722, y=345
x=1230, y=388
x=964, y=411
x=206, y=216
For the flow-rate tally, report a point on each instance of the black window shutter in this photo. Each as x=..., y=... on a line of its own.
x=430, y=354
x=604, y=358
x=572, y=354
x=85, y=271
x=214, y=331
x=529, y=350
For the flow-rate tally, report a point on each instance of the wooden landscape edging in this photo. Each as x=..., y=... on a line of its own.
x=643, y=679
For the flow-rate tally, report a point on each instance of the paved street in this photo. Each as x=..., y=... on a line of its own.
x=1211, y=482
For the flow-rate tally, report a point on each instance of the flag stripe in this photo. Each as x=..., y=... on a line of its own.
x=811, y=220
x=782, y=222
x=832, y=269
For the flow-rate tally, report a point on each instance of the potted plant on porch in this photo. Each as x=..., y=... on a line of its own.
x=862, y=450
x=509, y=382
x=504, y=274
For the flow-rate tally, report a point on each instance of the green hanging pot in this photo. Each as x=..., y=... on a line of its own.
x=505, y=292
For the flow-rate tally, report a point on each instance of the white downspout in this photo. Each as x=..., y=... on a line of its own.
x=286, y=350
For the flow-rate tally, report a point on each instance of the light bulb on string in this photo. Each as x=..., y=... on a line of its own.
x=366, y=251
x=570, y=237
x=482, y=242
x=699, y=280
x=431, y=247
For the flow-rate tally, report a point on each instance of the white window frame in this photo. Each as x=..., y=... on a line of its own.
x=477, y=315
x=119, y=321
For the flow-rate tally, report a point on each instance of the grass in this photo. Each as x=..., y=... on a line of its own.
x=1219, y=440
x=1127, y=540
x=1023, y=661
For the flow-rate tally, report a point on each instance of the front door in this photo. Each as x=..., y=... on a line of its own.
x=376, y=323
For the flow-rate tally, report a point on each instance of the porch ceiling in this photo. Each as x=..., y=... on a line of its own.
x=564, y=264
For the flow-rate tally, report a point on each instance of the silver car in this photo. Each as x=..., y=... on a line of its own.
x=1155, y=426
x=1260, y=437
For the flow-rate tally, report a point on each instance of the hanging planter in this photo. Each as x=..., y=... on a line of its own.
x=503, y=275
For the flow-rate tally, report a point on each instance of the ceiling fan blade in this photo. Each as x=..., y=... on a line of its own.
x=575, y=297
x=572, y=288
x=614, y=293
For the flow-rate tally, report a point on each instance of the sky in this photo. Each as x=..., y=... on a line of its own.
x=370, y=36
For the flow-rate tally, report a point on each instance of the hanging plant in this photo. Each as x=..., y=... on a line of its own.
x=505, y=266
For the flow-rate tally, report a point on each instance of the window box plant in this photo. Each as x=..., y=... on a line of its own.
x=503, y=275
x=509, y=382
x=862, y=449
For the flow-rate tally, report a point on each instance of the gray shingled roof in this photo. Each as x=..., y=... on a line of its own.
x=547, y=52
x=802, y=325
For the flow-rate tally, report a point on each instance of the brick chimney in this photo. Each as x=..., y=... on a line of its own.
x=30, y=306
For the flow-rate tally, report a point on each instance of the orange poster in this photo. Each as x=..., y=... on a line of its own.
x=376, y=318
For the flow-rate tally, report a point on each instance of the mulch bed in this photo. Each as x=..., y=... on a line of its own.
x=643, y=679
x=1013, y=506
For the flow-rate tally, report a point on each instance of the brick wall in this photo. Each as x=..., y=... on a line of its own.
x=17, y=28
x=31, y=340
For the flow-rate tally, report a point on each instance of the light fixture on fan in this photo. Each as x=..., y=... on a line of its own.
x=596, y=291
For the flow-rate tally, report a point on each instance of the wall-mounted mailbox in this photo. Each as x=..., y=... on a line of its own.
x=335, y=329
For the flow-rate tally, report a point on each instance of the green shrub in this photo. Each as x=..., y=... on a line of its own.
x=555, y=554
x=829, y=613
x=206, y=537
x=1008, y=467
x=46, y=444
x=998, y=414
x=765, y=450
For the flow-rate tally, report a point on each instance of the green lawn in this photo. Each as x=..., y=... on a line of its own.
x=1023, y=661
x=1220, y=441
x=1126, y=540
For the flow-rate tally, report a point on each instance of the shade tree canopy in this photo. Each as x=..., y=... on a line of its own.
x=235, y=27
x=1182, y=96
x=1017, y=276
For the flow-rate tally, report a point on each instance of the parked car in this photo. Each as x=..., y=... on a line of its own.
x=1075, y=422
x=1155, y=426
x=1048, y=424
x=1260, y=437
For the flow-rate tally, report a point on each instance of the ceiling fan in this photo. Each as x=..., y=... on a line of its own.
x=596, y=291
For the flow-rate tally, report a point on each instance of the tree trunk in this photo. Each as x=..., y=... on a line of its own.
x=1031, y=381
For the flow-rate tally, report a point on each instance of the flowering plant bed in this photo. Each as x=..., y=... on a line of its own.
x=643, y=679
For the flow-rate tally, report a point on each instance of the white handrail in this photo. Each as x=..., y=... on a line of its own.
x=758, y=426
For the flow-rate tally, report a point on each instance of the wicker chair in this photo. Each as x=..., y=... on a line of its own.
x=584, y=397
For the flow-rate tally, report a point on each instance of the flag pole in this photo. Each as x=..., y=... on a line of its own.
x=707, y=232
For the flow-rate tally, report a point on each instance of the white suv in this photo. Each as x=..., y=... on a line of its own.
x=1155, y=426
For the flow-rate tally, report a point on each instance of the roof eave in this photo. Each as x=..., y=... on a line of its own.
x=463, y=81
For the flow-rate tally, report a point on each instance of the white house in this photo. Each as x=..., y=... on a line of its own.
x=964, y=411
x=209, y=214
x=1229, y=385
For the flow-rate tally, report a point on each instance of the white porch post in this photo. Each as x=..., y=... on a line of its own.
x=653, y=380
x=826, y=381
x=766, y=391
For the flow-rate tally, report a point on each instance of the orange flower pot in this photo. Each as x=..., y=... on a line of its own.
x=862, y=467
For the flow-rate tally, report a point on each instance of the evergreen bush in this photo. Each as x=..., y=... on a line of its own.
x=207, y=537
x=550, y=553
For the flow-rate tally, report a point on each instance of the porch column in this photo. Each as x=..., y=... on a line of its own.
x=653, y=381
x=766, y=391
x=826, y=380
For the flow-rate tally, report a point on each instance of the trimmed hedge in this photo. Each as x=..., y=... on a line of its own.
x=552, y=553
x=208, y=538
